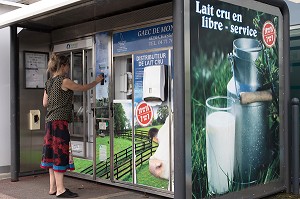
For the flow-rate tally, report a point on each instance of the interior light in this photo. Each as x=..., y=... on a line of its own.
x=295, y=1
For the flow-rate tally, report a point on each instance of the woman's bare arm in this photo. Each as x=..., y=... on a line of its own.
x=71, y=85
x=45, y=99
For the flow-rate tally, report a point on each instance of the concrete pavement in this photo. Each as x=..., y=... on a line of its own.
x=36, y=187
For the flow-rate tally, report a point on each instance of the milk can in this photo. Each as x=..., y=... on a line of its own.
x=251, y=113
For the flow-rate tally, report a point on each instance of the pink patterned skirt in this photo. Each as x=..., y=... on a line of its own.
x=56, y=149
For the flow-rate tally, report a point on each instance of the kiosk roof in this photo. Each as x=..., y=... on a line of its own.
x=49, y=15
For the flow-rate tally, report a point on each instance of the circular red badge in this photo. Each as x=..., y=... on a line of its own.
x=144, y=113
x=269, y=34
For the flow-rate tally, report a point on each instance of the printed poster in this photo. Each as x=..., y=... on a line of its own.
x=234, y=77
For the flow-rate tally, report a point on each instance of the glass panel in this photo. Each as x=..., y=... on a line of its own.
x=153, y=135
x=77, y=76
x=82, y=150
x=123, y=150
x=122, y=107
x=102, y=141
x=102, y=111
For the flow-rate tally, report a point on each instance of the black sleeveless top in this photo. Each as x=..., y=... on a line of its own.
x=59, y=101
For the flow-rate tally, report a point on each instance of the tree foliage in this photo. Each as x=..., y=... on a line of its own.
x=120, y=119
x=162, y=114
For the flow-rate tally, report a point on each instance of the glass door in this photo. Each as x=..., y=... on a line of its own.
x=78, y=70
x=122, y=142
x=82, y=129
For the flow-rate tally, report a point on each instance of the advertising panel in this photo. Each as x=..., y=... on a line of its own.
x=234, y=78
x=148, y=49
x=152, y=119
x=102, y=64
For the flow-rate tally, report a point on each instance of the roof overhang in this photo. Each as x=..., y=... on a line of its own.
x=49, y=15
x=7, y=6
x=12, y=4
x=34, y=10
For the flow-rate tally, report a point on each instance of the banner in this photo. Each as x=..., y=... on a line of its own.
x=153, y=119
x=234, y=97
x=153, y=37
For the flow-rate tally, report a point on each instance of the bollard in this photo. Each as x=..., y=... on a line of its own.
x=295, y=149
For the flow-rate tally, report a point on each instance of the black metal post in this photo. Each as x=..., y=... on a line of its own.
x=295, y=149
x=179, y=101
x=14, y=105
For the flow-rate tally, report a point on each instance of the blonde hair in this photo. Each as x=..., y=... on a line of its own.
x=55, y=62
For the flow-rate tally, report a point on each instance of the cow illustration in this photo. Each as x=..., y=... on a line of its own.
x=159, y=162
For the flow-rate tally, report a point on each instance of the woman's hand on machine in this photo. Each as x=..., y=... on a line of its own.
x=99, y=78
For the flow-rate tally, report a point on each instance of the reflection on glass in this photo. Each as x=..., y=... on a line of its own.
x=77, y=76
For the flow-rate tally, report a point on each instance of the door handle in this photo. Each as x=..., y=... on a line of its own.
x=92, y=111
x=112, y=109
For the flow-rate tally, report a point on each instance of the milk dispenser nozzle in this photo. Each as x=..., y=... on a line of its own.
x=251, y=112
x=155, y=83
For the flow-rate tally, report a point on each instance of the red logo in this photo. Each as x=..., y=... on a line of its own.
x=269, y=34
x=144, y=114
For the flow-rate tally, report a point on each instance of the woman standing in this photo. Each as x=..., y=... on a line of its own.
x=58, y=98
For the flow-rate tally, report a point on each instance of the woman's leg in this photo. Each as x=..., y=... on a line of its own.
x=61, y=146
x=59, y=179
x=52, y=182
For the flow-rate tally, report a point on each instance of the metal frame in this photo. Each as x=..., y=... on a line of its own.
x=171, y=153
x=134, y=176
x=84, y=45
x=84, y=68
x=138, y=187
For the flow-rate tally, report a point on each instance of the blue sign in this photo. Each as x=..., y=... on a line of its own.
x=145, y=60
x=152, y=37
x=102, y=65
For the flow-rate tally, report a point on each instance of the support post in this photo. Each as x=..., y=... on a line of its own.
x=179, y=102
x=295, y=145
x=14, y=105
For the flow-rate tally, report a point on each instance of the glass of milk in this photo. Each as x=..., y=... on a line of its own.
x=220, y=133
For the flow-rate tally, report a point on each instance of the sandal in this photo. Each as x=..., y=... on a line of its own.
x=67, y=194
x=52, y=194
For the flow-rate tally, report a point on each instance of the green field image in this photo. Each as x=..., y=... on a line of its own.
x=120, y=144
x=123, y=159
x=144, y=177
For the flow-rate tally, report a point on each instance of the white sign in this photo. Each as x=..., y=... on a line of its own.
x=77, y=148
x=102, y=152
x=102, y=125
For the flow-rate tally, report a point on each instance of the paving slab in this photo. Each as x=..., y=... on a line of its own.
x=37, y=187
